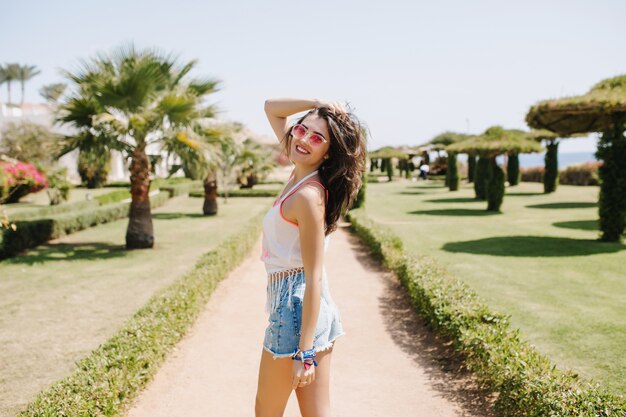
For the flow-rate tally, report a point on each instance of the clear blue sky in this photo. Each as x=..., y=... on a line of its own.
x=410, y=69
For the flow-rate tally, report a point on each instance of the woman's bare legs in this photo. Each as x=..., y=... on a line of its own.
x=314, y=399
x=274, y=387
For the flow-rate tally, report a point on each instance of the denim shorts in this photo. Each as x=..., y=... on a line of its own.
x=282, y=335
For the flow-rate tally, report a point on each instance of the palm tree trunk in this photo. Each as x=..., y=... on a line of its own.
x=210, y=195
x=140, y=234
x=23, y=84
x=9, y=91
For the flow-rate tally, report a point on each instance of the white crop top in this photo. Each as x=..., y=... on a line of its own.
x=281, y=237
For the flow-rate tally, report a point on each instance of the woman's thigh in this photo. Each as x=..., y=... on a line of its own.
x=274, y=385
x=314, y=399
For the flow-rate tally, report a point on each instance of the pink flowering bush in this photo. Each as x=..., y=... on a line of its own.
x=18, y=180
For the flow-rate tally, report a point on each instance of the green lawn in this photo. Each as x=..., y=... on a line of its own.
x=61, y=300
x=538, y=260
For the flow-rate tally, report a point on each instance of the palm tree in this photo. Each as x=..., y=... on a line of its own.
x=25, y=73
x=128, y=100
x=52, y=92
x=255, y=161
x=10, y=73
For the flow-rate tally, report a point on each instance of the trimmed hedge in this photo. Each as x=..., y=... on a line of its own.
x=532, y=174
x=106, y=382
x=528, y=384
x=240, y=192
x=113, y=197
x=50, y=210
x=180, y=188
x=29, y=234
x=576, y=174
x=581, y=174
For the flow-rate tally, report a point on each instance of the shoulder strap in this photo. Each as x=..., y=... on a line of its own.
x=295, y=188
x=292, y=190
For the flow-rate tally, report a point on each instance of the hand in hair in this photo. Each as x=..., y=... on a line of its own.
x=334, y=105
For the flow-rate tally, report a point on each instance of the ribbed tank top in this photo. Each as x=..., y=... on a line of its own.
x=281, y=237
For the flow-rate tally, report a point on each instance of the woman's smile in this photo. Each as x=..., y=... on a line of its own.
x=301, y=150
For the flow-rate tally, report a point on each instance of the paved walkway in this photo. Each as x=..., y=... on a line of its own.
x=214, y=369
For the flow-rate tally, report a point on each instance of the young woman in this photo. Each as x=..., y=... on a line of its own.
x=327, y=147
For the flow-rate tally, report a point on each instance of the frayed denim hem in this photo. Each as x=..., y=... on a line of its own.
x=317, y=349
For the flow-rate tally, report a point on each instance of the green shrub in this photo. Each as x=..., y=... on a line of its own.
x=532, y=174
x=512, y=170
x=29, y=234
x=480, y=176
x=551, y=174
x=471, y=168
x=452, y=173
x=494, y=186
x=107, y=381
x=113, y=197
x=612, y=172
x=240, y=192
x=528, y=384
x=58, y=209
x=180, y=188
x=581, y=174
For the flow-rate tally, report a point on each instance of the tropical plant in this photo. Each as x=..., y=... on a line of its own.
x=93, y=166
x=58, y=186
x=128, y=100
x=254, y=163
x=25, y=73
x=52, y=92
x=9, y=73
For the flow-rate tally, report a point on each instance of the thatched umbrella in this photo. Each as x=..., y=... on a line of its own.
x=602, y=109
x=452, y=173
x=489, y=177
x=385, y=154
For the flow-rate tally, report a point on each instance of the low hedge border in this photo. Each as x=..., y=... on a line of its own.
x=112, y=375
x=528, y=384
x=246, y=192
x=50, y=210
x=31, y=233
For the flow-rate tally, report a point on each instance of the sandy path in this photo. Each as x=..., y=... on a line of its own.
x=214, y=369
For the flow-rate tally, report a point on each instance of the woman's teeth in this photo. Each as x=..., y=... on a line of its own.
x=299, y=149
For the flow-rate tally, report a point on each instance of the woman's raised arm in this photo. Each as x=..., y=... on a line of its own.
x=277, y=110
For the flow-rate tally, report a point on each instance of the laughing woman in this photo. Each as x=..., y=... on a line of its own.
x=328, y=149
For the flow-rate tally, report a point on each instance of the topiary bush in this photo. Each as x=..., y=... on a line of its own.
x=512, y=169
x=551, y=174
x=471, y=168
x=494, y=186
x=480, y=175
x=452, y=173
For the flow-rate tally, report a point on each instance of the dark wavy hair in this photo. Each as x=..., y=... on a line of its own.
x=342, y=173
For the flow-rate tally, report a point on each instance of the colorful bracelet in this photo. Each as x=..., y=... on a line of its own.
x=304, y=354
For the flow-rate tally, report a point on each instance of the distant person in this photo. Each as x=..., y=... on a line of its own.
x=328, y=149
x=424, y=169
